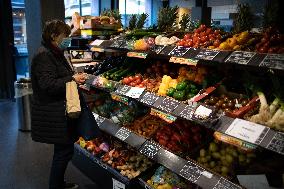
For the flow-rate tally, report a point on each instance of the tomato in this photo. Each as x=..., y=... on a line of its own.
x=130, y=79
x=140, y=85
x=190, y=43
x=132, y=84
x=181, y=43
x=219, y=36
x=126, y=80
x=217, y=43
x=138, y=81
x=145, y=81
x=217, y=32
x=202, y=34
x=208, y=31
x=204, y=38
x=195, y=35
x=202, y=27
x=197, y=40
x=187, y=36
x=138, y=76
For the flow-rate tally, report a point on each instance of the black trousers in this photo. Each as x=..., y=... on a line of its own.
x=63, y=153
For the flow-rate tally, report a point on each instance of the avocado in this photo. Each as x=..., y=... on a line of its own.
x=179, y=95
x=181, y=86
x=171, y=91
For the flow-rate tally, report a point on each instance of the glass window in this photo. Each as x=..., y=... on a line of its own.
x=129, y=7
x=88, y=7
x=71, y=6
x=20, y=38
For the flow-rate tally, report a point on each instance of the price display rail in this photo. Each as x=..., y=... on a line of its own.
x=187, y=169
x=246, y=134
x=194, y=56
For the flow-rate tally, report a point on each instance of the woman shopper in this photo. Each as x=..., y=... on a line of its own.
x=50, y=72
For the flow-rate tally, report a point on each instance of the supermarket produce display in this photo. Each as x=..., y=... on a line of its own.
x=183, y=109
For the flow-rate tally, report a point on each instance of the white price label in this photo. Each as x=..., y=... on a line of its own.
x=245, y=130
x=97, y=42
x=96, y=116
x=207, y=174
x=74, y=53
x=117, y=185
x=202, y=111
x=135, y=92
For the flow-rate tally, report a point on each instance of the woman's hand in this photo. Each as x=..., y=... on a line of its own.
x=80, y=78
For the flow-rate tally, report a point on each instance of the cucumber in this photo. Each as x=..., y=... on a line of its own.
x=112, y=70
x=116, y=72
x=122, y=74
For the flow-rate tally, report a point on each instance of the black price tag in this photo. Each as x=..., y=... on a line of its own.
x=166, y=50
x=191, y=53
x=100, y=120
x=240, y=57
x=275, y=61
x=123, y=133
x=277, y=143
x=225, y=184
x=124, y=45
x=262, y=135
x=187, y=112
x=191, y=171
x=178, y=51
x=106, y=43
x=168, y=105
x=149, y=98
x=157, y=48
x=116, y=43
x=150, y=149
x=207, y=54
x=123, y=89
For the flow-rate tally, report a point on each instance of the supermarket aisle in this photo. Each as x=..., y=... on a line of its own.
x=25, y=164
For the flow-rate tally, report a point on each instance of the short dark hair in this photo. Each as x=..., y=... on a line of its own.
x=54, y=27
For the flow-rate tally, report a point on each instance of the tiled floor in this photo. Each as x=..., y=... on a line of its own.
x=25, y=164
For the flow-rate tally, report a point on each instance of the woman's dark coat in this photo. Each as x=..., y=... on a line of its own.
x=50, y=72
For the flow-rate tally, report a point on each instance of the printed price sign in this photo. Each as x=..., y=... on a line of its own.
x=116, y=43
x=173, y=59
x=207, y=54
x=164, y=116
x=166, y=50
x=119, y=98
x=245, y=130
x=277, y=143
x=225, y=184
x=123, y=133
x=240, y=57
x=187, y=112
x=168, y=105
x=202, y=112
x=187, y=61
x=191, y=171
x=97, y=42
x=178, y=51
x=157, y=48
x=117, y=185
x=96, y=116
x=275, y=61
x=135, y=92
x=149, y=98
x=100, y=120
x=137, y=54
x=234, y=141
x=123, y=89
x=150, y=149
